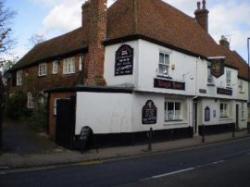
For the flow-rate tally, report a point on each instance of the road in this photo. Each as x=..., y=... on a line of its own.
x=225, y=164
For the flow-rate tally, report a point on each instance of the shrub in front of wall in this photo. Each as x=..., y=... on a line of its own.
x=15, y=107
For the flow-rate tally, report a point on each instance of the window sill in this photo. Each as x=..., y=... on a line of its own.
x=164, y=77
x=179, y=120
x=211, y=84
x=42, y=75
x=69, y=73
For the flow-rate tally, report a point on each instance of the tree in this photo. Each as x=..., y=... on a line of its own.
x=6, y=15
x=1, y=107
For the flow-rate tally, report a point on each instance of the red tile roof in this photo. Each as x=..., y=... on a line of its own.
x=152, y=19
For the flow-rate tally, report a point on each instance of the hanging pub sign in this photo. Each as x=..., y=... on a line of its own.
x=169, y=84
x=217, y=66
x=149, y=113
x=124, y=60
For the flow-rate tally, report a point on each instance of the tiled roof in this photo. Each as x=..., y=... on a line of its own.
x=153, y=19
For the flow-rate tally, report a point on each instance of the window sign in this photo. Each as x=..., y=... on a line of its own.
x=207, y=114
x=124, y=60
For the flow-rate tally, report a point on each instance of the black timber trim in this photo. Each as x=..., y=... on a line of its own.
x=92, y=89
x=56, y=57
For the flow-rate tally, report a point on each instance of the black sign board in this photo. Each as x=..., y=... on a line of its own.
x=124, y=60
x=149, y=113
x=224, y=91
x=217, y=66
x=168, y=84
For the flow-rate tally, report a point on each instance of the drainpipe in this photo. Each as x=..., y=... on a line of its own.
x=248, y=61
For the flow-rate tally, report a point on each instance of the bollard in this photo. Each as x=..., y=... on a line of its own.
x=150, y=134
x=203, y=134
x=233, y=131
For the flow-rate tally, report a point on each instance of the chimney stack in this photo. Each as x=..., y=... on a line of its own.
x=201, y=15
x=94, y=22
x=224, y=42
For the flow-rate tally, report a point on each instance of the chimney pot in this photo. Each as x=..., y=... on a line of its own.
x=204, y=5
x=198, y=5
x=224, y=42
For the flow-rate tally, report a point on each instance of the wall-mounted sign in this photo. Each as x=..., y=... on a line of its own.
x=207, y=114
x=124, y=60
x=149, y=113
x=203, y=91
x=168, y=84
x=224, y=91
x=217, y=66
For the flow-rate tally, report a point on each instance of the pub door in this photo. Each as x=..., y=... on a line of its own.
x=237, y=117
x=65, y=122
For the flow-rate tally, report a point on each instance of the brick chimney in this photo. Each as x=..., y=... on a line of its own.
x=94, y=22
x=224, y=42
x=201, y=15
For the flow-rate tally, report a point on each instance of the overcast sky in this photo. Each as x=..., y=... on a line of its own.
x=54, y=17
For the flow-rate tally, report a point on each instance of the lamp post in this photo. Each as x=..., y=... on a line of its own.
x=248, y=60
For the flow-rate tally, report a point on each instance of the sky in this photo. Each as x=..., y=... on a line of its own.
x=51, y=18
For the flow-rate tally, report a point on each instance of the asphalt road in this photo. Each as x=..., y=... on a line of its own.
x=226, y=164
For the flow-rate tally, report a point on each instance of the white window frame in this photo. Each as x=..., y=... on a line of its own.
x=42, y=69
x=19, y=78
x=176, y=116
x=69, y=66
x=228, y=78
x=55, y=67
x=55, y=106
x=80, y=63
x=242, y=111
x=224, y=107
x=165, y=63
x=30, y=101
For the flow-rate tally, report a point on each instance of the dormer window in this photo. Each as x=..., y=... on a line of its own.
x=163, y=69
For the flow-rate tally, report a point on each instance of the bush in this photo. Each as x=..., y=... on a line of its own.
x=15, y=107
x=38, y=118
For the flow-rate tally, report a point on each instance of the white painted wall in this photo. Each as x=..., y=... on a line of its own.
x=104, y=112
x=183, y=68
x=140, y=100
x=109, y=66
x=214, y=105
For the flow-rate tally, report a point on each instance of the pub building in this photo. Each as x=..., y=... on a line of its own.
x=145, y=65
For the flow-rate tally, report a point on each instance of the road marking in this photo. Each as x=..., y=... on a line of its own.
x=218, y=162
x=173, y=173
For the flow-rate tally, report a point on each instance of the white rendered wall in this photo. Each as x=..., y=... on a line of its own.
x=109, y=66
x=104, y=112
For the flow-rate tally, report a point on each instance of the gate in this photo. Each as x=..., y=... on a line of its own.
x=65, y=122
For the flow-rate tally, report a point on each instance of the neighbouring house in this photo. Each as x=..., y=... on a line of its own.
x=135, y=65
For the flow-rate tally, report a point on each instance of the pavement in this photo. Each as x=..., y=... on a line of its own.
x=60, y=157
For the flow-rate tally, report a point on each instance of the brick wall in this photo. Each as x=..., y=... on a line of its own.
x=32, y=82
x=52, y=117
